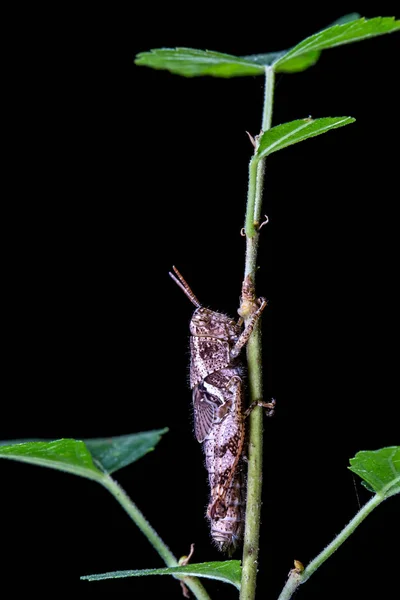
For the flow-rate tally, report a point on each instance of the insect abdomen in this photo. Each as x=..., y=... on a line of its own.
x=227, y=531
x=223, y=447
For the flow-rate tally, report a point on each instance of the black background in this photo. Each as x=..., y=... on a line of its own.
x=116, y=172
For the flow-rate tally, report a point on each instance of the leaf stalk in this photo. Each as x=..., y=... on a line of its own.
x=296, y=579
x=155, y=540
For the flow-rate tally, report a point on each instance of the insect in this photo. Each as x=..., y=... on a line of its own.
x=216, y=381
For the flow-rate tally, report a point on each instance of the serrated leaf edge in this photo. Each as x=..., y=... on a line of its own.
x=313, y=38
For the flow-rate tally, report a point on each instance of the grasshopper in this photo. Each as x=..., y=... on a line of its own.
x=216, y=381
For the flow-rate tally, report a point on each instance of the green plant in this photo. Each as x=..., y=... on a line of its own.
x=98, y=459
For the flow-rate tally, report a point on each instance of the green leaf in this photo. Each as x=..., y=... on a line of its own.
x=295, y=65
x=67, y=455
x=190, y=62
x=345, y=19
x=342, y=33
x=299, y=63
x=228, y=571
x=76, y=456
x=367, y=486
x=293, y=132
x=380, y=469
x=113, y=453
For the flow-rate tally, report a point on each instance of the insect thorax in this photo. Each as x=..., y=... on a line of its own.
x=212, y=336
x=206, y=322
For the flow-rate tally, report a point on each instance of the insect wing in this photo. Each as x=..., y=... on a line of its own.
x=205, y=411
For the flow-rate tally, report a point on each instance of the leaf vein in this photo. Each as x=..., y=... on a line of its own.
x=287, y=136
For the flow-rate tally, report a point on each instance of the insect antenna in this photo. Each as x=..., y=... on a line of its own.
x=179, y=280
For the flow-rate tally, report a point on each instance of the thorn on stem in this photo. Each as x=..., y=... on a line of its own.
x=252, y=140
x=266, y=220
x=185, y=590
x=183, y=561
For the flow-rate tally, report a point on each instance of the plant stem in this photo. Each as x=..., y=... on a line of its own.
x=291, y=585
x=158, y=544
x=256, y=176
x=268, y=98
x=296, y=579
x=266, y=124
x=342, y=537
x=254, y=354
